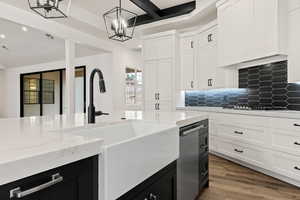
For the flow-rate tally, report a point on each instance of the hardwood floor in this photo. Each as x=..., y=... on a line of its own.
x=229, y=181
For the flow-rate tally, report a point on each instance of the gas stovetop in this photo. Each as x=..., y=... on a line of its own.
x=245, y=107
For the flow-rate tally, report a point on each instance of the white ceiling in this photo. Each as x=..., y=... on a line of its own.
x=33, y=47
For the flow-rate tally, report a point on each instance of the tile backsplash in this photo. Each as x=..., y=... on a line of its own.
x=264, y=85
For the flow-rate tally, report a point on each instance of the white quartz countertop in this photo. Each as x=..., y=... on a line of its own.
x=180, y=118
x=269, y=113
x=35, y=144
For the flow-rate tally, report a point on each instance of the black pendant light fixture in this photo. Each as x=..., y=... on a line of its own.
x=116, y=22
x=49, y=9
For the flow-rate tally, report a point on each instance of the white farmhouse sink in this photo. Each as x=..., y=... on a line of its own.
x=133, y=151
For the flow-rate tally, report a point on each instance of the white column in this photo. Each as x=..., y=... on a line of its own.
x=70, y=77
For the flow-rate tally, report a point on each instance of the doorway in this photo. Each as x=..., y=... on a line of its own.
x=42, y=93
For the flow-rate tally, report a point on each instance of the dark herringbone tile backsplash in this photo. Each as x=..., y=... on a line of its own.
x=264, y=85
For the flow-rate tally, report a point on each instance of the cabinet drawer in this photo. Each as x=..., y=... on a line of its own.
x=160, y=186
x=286, y=124
x=78, y=180
x=253, y=135
x=252, y=155
x=283, y=141
x=286, y=165
x=234, y=119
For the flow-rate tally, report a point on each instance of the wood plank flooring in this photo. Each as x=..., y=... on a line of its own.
x=229, y=181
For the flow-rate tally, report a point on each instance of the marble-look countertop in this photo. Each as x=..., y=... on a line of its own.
x=269, y=113
x=35, y=144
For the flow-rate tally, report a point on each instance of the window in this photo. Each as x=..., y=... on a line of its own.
x=134, y=86
x=32, y=90
x=48, y=91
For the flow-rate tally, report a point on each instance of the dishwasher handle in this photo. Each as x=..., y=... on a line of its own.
x=187, y=132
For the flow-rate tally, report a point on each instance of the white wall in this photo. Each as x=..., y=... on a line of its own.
x=123, y=58
x=102, y=101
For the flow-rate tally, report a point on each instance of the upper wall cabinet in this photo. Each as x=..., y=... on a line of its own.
x=294, y=47
x=188, y=62
x=199, y=61
x=158, y=48
x=251, y=29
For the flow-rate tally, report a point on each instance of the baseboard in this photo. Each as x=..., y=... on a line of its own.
x=259, y=169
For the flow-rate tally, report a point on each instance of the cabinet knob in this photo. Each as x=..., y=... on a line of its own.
x=297, y=143
x=209, y=38
x=192, y=84
x=192, y=44
x=296, y=124
x=210, y=84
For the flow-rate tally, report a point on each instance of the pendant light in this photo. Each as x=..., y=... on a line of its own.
x=120, y=23
x=49, y=9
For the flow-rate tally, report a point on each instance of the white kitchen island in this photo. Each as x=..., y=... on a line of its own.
x=36, y=144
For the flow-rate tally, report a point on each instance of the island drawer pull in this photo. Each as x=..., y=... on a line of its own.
x=239, y=151
x=239, y=132
x=297, y=143
x=296, y=124
x=17, y=193
x=185, y=133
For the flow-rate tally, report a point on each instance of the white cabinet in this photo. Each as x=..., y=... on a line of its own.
x=159, y=71
x=294, y=47
x=199, y=64
x=164, y=80
x=271, y=144
x=207, y=59
x=157, y=82
x=150, y=81
x=251, y=29
x=187, y=62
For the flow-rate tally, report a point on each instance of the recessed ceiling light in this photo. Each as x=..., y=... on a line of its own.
x=2, y=36
x=24, y=28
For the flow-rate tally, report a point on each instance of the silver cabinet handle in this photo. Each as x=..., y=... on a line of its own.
x=17, y=193
x=296, y=124
x=297, y=143
x=297, y=168
x=185, y=133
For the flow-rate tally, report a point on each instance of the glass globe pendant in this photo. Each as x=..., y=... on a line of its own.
x=120, y=23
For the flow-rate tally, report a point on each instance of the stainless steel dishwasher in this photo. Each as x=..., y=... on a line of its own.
x=192, y=169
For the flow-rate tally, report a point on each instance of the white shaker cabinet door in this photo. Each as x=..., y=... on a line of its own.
x=164, y=79
x=294, y=47
x=187, y=62
x=150, y=77
x=207, y=59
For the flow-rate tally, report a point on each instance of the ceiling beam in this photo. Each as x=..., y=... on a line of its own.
x=149, y=7
x=166, y=13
